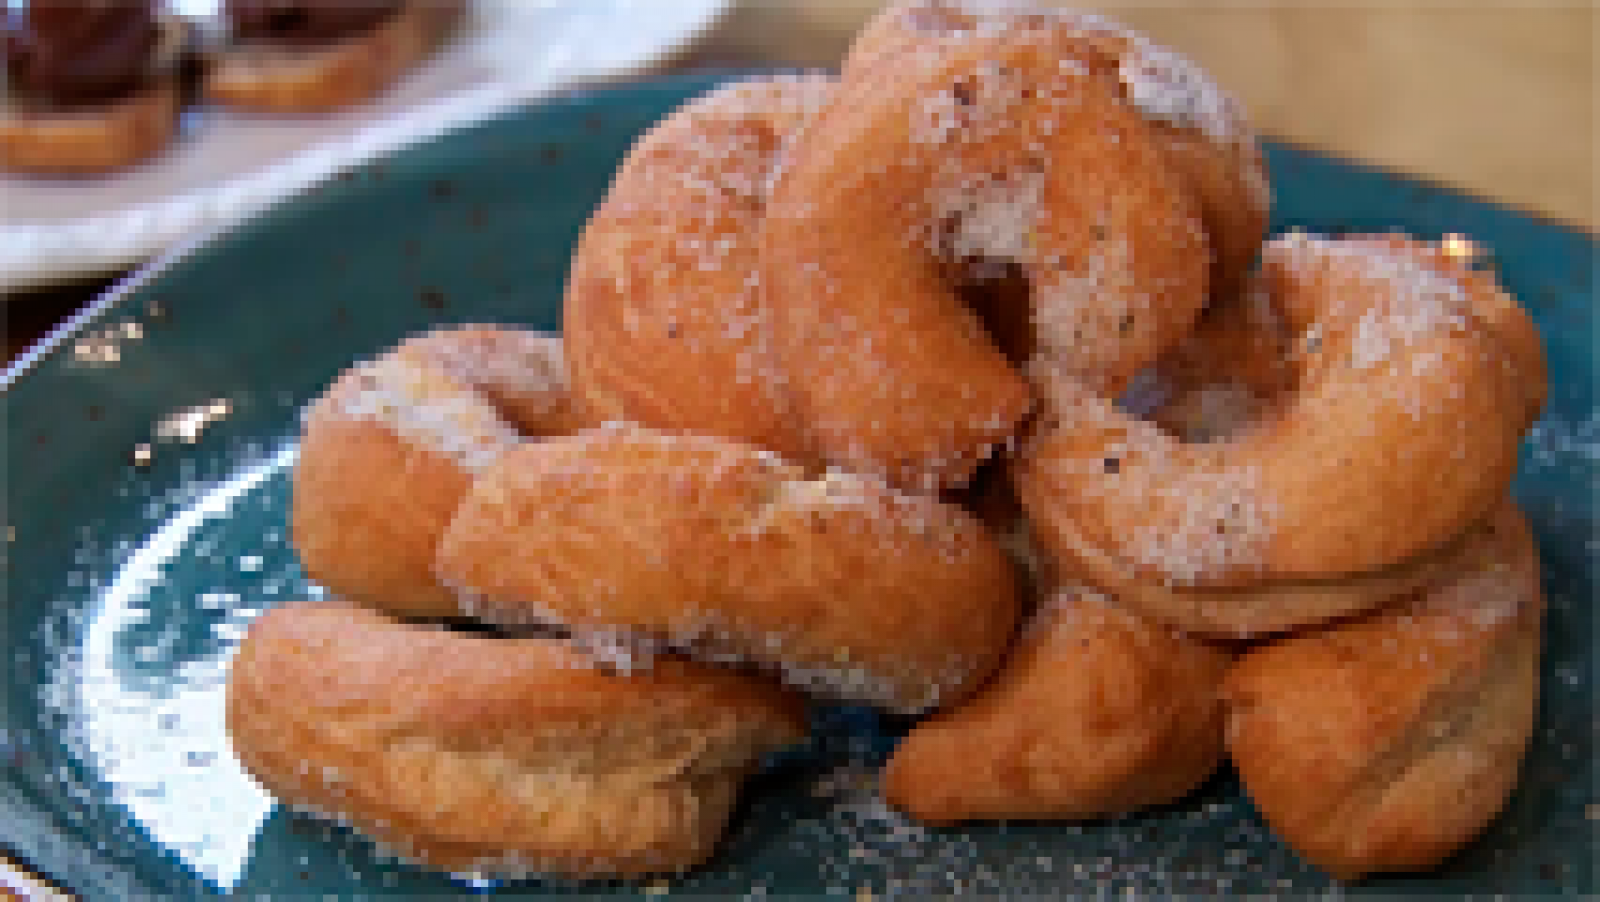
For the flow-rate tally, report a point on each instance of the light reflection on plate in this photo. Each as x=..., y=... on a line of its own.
x=142, y=681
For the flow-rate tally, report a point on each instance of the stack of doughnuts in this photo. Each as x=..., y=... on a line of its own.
x=950, y=386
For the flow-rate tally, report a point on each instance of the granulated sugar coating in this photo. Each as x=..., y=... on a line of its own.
x=497, y=756
x=424, y=405
x=952, y=153
x=1400, y=366
x=855, y=845
x=717, y=549
x=665, y=296
x=118, y=653
x=520, y=372
x=1161, y=83
x=1419, y=303
x=1201, y=127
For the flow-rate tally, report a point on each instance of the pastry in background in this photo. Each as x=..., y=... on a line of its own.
x=315, y=55
x=90, y=86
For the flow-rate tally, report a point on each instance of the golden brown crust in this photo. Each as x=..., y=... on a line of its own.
x=1096, y=712
x=369, y=508
x=522, y=373
x=1492, y=308
x=840, y=584
x=1232, y=371
x=389, y=451
x=347, y=72
x=1387, y=743
x=1202, y=130
x=94, y=139
x=1403, y=429
x=664, y=320
x=496, y=757
x=978, y=147
x=1247, y=611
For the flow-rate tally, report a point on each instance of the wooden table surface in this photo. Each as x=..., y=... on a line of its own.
x=1495, y=96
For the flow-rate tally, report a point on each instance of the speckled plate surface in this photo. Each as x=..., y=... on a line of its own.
x=147, y=455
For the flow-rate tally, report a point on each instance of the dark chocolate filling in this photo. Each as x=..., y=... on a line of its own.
x=306, y=23
x=80, y=51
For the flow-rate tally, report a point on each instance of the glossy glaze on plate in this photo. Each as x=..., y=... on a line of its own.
x=147, y=458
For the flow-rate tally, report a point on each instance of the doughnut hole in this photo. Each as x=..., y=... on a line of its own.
x=1201, y=128
x=985, y=151
x=1398, y=431
x=1232, y=372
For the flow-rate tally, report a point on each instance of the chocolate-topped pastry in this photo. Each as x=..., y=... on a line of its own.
x=90, y=84
x=306, y=22
x=308, y=55
x=80, y=51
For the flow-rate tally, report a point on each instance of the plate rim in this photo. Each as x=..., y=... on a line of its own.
x=168, y=259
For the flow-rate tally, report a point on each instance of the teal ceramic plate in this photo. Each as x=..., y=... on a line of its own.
x=147, y=454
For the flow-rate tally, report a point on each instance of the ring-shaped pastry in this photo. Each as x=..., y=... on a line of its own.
x=1414, y=378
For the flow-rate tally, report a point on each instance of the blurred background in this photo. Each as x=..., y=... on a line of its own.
x=1495, y=97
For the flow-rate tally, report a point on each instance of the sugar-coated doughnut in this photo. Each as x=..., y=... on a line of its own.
x=388, y=452
x=521, y=372
x=1097, y=711
x=1414, y=378
x=1201, y=127
x=664, y=319
x=633, y=537
x=972, y=149
x=492, y=757
x=1387, y=743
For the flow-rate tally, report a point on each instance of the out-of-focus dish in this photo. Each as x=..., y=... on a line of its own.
x=226, y=164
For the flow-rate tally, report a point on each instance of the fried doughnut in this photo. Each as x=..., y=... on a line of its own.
x=1385, y=744
x=1202, y=128
x=1098, y=711
x=496, y=757
x=664, y=297
x=289, y=77
x=981, y=145
x=388, y=452
x=633, y=538
x=1232, y=371
x=1414, y=378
